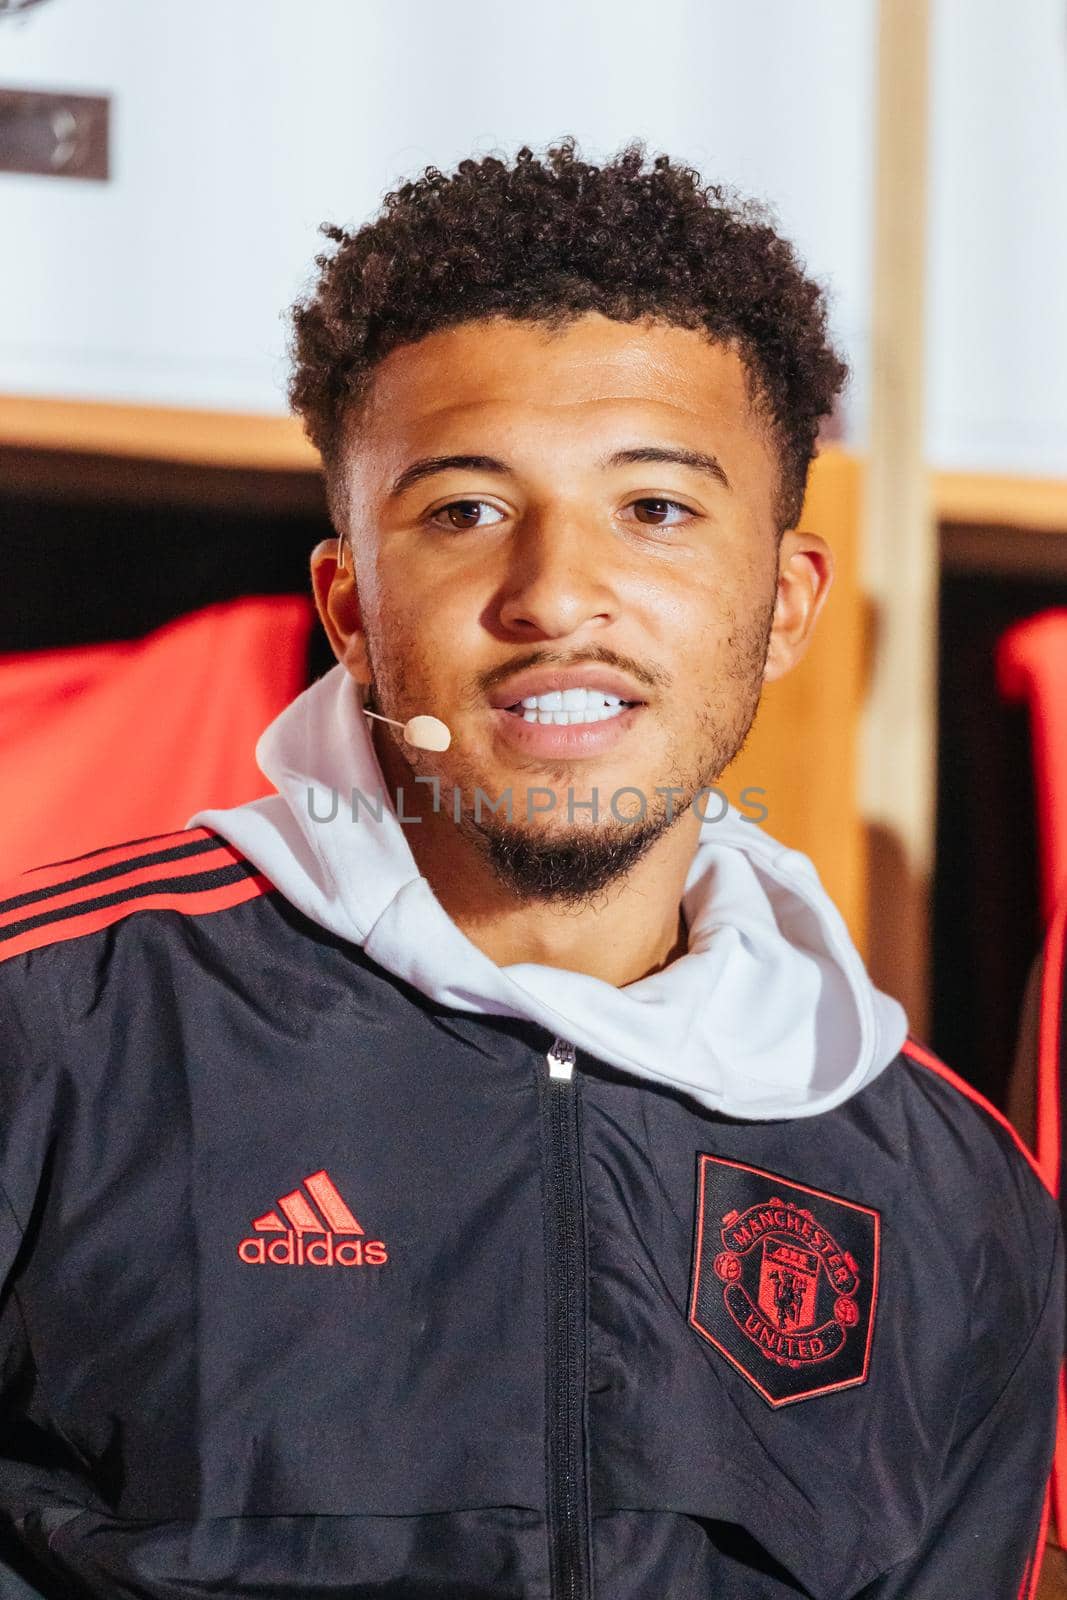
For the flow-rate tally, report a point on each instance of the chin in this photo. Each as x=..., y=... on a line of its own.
x=567, y=865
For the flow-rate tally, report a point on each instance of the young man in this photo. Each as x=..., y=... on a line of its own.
x=477, y=1171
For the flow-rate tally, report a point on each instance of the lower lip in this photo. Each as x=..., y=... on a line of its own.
x=572, y=740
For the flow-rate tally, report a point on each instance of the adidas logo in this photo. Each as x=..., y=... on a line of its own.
x=328, y=1236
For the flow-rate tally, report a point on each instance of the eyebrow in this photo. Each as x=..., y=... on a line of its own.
x=698, y=460
x=429, y=466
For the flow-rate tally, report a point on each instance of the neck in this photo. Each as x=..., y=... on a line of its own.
x=632, y=928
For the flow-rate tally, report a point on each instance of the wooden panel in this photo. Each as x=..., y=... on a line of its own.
x=899, y=548
x=988, y=550
x=276, y=444
x=988, y=500
x=157, y=433
x=804, y=747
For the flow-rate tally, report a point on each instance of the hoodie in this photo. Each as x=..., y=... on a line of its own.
x=770, y=1013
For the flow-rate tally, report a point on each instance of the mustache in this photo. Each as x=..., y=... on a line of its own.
x=597, y=655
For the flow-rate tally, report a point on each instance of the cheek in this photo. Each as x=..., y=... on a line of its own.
x=417, y=647
x=694, y=618
x=392, y=640
x=716, y=636
x=431, y=597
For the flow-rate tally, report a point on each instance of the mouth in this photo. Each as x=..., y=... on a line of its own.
x=563, y=708
x=575, y=712
x=566, y=732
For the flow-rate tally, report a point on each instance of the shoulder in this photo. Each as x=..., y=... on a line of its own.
x=987, y=1191
x=964, y=1114
x=89, y=953
x=192, y=871
x=953, y=1164
x=981, y=1179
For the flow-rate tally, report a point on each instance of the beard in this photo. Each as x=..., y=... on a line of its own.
x=572, y=869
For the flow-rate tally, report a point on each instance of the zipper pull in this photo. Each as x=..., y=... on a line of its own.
x=561, y=1060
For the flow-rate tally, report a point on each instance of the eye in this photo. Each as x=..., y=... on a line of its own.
x=463, y=514
x=658, y=510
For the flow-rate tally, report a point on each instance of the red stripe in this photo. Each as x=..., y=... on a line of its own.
x=329, y=1202
x=53, y=872
x=1024, y=1582
x=1050, y=1151
x=1032, y=1573
x=1049, y=1135
x=184, y=867
x=926, y=1058
x=192, y=903
x=300, y=1214
x=1059, y=1464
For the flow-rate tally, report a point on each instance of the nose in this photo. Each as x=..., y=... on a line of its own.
x=559, y=581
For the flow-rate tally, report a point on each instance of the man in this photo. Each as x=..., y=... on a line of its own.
x=477, y=1170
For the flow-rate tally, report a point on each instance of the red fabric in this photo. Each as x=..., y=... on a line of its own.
x=120, y=741
x=1050, y=1149
x=1032, y=666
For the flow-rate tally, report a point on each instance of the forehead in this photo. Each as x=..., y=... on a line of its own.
x=589, y=374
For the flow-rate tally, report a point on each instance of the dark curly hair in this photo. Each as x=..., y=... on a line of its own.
x=547, y=240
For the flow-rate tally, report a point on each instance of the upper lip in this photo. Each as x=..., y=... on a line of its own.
x=543, y=680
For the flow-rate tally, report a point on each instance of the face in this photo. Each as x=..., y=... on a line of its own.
x=564, y=547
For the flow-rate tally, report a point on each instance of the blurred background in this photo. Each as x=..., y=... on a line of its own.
x=163, y=172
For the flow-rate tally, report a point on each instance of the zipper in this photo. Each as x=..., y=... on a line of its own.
x=568, y=1481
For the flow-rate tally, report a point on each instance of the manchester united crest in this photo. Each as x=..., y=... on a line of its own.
x=785, y=1280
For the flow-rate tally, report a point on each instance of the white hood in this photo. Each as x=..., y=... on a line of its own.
x=769, y=1014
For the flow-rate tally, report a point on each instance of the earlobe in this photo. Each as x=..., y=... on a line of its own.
x=337, y=602
x=805, y=574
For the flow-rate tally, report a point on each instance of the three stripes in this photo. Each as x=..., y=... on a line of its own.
x=300, y=1215
x=192, y=870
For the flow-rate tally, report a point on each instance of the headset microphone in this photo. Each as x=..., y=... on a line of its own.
x=425, y=733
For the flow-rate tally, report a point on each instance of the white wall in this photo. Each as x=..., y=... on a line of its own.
x=240, y=124
x=997, y=308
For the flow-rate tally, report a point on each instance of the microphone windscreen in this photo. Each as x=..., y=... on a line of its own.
x=427, y=733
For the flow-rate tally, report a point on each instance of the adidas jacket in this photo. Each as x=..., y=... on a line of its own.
x=314, y=1286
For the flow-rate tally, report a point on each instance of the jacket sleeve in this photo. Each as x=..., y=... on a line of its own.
x=26, y=1099
x=985, y=1528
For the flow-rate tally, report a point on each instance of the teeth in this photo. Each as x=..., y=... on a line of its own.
x=593, y=713
x=563, y=707
x=570, y=700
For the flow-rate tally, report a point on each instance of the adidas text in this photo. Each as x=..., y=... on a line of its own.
x=320, y=1250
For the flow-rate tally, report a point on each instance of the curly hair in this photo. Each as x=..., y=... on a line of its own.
x=547, y=240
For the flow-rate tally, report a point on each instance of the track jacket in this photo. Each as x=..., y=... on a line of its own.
x=339, y=1261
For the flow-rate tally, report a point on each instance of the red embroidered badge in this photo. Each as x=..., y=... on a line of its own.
x=785, y=1280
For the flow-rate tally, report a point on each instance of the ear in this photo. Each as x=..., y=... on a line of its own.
x=337, y=602
x=805, y=573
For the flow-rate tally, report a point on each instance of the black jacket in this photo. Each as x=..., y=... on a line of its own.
x=315, y=1288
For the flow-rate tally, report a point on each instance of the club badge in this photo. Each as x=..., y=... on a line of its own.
x=785, y=1280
